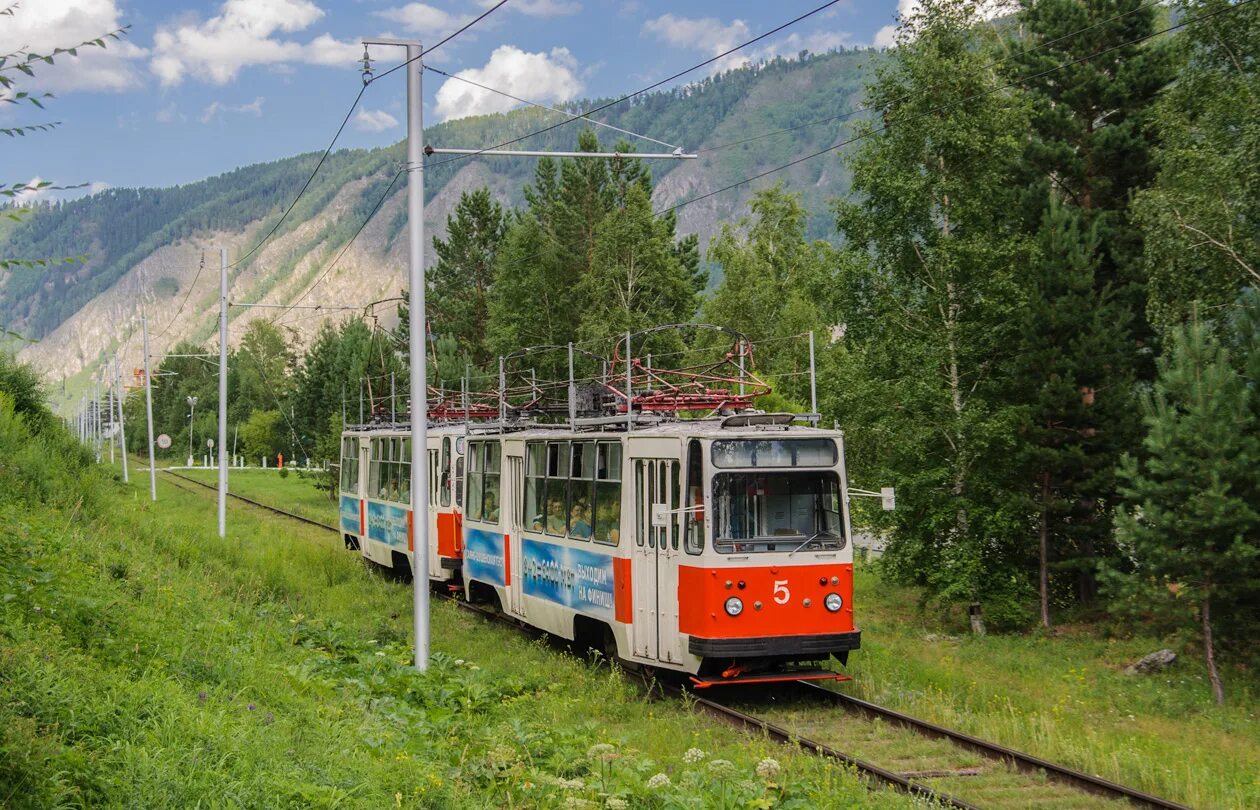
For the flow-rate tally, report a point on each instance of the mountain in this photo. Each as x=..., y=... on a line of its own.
x=157, y=249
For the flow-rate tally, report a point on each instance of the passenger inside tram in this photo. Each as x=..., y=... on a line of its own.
x=491, y=508
x=555, y=516
x=580, y=520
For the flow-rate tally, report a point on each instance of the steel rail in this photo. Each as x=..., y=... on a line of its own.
x=253, y=502
x=1020, y=760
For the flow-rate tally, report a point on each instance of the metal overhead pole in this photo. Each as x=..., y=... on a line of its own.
x=122, y=429
x=148, y=409
x=109, y=392
x=96, y=420
x=416, y=323
x=813, y=380
x=223, y=364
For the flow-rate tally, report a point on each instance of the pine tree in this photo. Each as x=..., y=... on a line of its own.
x=462, y=281
x=1094, y=80
x=1069, y=373
x=1194, y=521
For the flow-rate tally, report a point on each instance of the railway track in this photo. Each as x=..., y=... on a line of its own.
x=977, y=774
x=253, y=502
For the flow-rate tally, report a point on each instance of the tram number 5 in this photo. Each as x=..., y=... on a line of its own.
x=781, y=592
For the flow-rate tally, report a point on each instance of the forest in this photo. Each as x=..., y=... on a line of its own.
x=1036, y=316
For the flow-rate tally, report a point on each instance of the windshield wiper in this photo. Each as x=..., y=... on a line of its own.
x=806, y=543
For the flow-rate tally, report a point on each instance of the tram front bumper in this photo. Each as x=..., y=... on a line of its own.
x=806, y=647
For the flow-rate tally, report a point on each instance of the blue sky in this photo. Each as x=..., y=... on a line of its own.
x=199, y=88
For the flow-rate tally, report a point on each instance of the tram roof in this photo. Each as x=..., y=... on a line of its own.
x=699, y=428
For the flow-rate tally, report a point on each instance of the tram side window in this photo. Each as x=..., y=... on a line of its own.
x=349, y=465
x=557, y=488
x=483, y=481
x=444, y=483
x=490, y=501
x=536, y=486
x=475, y=479
x=374, y=468
x=581, y=489
x=695, y=499
x=402, y=470
x=459, y=480
x=608, y=493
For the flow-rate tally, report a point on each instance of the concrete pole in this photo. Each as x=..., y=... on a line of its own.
x=572, y=392
x=122, y=429
x=148, y=409
x=502, y=392
x=629, y=389
x=393, y=410
x=223, y=370
x=419, y=376
x=109, y=393
x=96, y=419
x=813, y=382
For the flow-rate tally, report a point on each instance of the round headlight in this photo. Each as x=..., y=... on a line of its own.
x=833, y=602
x=734, y=606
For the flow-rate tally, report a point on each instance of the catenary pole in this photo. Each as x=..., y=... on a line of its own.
x=109, y=393
x=122, y=429
x=148, y=409
x=813, y=380
x=416, y=324
x=96, y=421
x=223, y=365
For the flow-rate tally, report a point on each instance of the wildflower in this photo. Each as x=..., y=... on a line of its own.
x=251, y=707
x=658, y=781
x=201, y=696
x=570, y=784
x=721, y=766
x=693, y=756
x=616, y=804
x=602, y=751
x=768, y=769
x=269, y=719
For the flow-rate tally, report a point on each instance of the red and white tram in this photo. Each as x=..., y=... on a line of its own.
x=718, y=547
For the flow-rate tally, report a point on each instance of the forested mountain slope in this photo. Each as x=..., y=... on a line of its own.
x=146, y=245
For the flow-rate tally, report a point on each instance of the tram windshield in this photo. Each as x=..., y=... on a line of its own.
x=780, y=511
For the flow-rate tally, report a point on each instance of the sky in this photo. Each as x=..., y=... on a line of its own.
x=195, y=89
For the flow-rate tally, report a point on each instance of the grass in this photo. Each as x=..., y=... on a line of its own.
x=1063, y=698
x=145, y=662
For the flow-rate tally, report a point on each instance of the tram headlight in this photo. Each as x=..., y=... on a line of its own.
x=834, y=602
x=734, y=606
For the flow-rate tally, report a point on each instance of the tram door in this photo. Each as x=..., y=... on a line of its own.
x=656, y=552
x=513, y=508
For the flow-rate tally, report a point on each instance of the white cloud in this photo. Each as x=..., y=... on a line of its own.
x=816, y=42
x=541, y=77
x=423, y=19
x=705, y=34
x=218, y=108
x=886, y=37
x=374, y=121
x=47, y=24
x=51, y=193
x=537, y=8
x=244, y=34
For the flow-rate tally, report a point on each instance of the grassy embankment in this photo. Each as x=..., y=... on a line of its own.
x=145, y=662
x=1063, y=698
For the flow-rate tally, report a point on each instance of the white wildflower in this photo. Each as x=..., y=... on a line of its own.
x=693, y=756
x=720, y=766
x=768, y=768
x=658, y=781
x=617, y=804
x=601, y=751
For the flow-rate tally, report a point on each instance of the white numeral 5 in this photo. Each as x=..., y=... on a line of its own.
x=781, y=592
